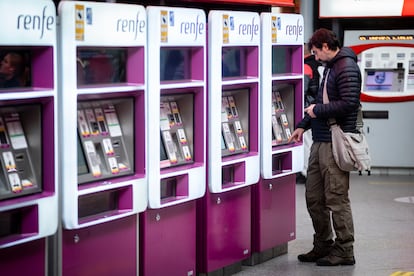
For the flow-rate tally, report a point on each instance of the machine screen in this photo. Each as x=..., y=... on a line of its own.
x=101, y=65
x=379, y=80
x=15, y=68
x=232, y=62
x=281, y=60
x=175, y=64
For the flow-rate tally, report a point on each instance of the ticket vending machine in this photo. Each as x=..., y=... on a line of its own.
x=177, y=139
x=386, y=60
x=273, y=219
x=224, y=214
x=28, y=174
x=103, y=135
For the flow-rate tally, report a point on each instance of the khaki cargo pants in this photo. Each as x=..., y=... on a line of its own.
x=327, y=196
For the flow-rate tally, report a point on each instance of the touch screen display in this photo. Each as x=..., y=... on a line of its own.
x=101, y=65
x=232, y=62
x=174, y=64
x=379, y=80
x=15, y=68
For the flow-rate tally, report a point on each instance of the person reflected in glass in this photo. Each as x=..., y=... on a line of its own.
x=11, y=70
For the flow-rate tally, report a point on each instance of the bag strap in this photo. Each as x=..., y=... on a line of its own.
x=325, y=97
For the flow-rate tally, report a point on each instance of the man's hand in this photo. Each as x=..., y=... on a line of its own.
x=309, y=111
x=296, y=135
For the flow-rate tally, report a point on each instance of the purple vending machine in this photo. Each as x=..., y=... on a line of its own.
x=224, y=214
x=176, y=139
x=273, y=219
x=103, y=136
x=28, y=159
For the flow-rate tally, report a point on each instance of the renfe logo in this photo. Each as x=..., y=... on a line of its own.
x=249, y=29
x=131, y=26
x=294, y=30
x=36, y=22
x=196, y=28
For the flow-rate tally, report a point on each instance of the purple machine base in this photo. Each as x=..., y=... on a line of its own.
x=105, y=249
x=23, y=259
x=168, y=240
x=223, y=231
x=273, y=218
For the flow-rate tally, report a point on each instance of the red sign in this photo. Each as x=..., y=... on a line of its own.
x=277, y=3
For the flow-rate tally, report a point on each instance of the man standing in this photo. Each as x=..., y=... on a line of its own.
x=327, y=186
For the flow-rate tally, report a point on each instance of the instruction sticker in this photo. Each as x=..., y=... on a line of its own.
x=18, y=140
x=93, y=158
x=164, y=26
x=274, y=28
x=112, y=121
x=226, y=24
x=9, y=161
x=82, y=124
x=4, y=142
x=79, y=22
x=15, y=183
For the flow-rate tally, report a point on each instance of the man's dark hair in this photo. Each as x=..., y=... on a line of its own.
x=321, y=36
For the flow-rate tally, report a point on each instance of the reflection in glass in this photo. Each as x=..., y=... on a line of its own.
x=15, y=68
x=231, y=63
x=174, y=64
x=101, y=65
x=281, y=60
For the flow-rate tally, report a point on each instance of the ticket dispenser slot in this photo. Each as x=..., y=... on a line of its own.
x=233, y=175
x=104, y=204
x=174, y=188
x=281, y=163
x=16, y=223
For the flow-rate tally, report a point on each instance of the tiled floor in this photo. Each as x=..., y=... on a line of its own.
x=383, y=210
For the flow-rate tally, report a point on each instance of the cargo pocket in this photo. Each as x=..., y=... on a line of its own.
x=338, y=181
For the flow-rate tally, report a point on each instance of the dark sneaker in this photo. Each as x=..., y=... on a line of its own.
x=332, y=260
x=312, y=256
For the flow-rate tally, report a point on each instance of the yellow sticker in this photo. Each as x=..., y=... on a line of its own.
x=274, y=29
x=226, y=24
x=79, y=22
x=164, y=26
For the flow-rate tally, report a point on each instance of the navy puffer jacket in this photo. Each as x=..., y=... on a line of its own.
x=344, y=89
